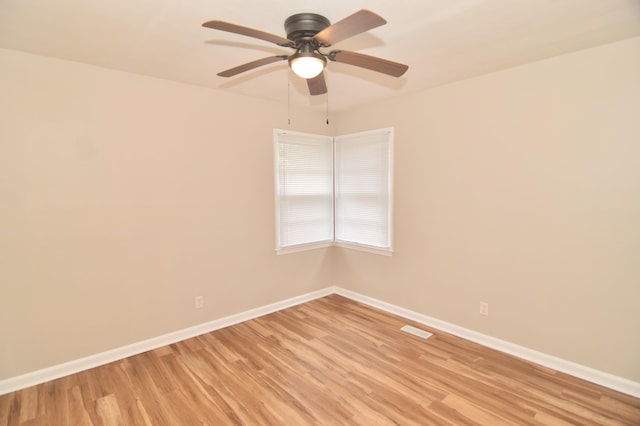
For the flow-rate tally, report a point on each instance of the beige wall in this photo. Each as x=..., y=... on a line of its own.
x=121, y=198
x=521, y=189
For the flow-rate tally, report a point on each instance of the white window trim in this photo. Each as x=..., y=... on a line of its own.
x=298, y=247
x=384, y=251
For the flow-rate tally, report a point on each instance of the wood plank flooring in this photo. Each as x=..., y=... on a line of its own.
x=331, y=361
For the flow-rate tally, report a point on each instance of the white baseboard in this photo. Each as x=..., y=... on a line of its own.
x=595, y=376
x=71, y=367
x=610, y=381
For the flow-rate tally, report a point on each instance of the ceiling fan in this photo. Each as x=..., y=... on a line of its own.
x=307, y=33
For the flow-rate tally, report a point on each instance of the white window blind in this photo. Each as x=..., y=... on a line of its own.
x=363, y=188
x=304, y=188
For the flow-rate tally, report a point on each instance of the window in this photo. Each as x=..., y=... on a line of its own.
x=334, y=190
x=363, y=203
x=304, y=188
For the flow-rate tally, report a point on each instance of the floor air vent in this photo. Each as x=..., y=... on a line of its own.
x=416, y=331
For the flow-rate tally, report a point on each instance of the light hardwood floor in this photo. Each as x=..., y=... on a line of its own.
x=331, y=361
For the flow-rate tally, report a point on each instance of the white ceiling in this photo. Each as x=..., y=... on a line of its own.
x=441, y=40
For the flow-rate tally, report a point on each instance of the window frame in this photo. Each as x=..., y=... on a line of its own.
x=386, y=251
x=278, y=212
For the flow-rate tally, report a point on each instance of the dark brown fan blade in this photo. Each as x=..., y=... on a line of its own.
x=249, y=32
x=251, y=65
x=317, y=85
x=369, y=62
x=357, y=23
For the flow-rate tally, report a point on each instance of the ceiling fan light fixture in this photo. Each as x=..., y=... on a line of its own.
x=307, y=33
x=306, y=63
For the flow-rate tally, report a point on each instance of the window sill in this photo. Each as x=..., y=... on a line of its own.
x=303, y=247
x=341, y=244
x=365, y=248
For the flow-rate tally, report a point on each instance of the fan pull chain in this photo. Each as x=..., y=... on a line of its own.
x=289, y=98
x=327, y=109
x=327, y=83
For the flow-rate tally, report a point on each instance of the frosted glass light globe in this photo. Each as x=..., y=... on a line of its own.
x=307, y=66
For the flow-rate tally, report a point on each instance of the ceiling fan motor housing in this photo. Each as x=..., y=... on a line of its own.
x=303, y=26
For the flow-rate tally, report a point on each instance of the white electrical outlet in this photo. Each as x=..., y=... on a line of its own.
x=484, y=308
x=199, y=300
